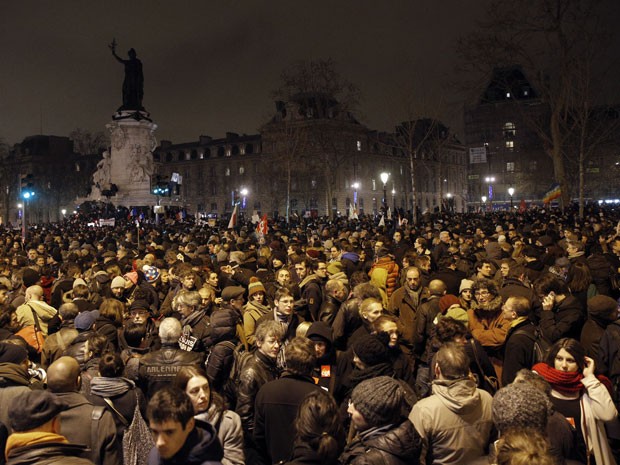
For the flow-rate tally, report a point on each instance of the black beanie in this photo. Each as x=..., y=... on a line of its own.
x=379, y=400
x=371, y=350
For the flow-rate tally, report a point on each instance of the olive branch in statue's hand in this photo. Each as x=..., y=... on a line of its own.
x=113, y=45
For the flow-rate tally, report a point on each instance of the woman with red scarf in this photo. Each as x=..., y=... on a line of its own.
x=583, y=398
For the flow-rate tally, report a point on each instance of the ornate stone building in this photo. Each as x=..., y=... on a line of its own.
x=317, y=156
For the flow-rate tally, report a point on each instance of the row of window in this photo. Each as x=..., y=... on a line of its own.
x=222, y=151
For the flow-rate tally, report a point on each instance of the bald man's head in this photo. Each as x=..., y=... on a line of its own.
x=437, y=287
x=34, y=293
x=64, y=375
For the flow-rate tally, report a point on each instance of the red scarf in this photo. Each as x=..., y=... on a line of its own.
x=568, y=382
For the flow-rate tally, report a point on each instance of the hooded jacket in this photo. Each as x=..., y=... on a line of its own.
x=201, y=447
x=14, y=381
x=488, y=325
x=455, y=420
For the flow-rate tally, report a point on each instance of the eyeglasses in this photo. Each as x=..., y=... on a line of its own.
x=482, y=292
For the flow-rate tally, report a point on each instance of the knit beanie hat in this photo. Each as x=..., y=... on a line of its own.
x=447, y=301
x=465, y=284
x=255, y=287
x=371, y=350
x=119, y=281
x=520, y=405
x=379, y=400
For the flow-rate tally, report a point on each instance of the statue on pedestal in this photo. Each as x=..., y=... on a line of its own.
x=101, y=177
x=133, y=85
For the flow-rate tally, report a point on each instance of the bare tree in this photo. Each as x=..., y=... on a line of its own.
x=554, y=40
x=323, y=101
x=88, y=143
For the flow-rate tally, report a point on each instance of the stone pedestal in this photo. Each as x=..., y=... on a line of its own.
x=132, y=141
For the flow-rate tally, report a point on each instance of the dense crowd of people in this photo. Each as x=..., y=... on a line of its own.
x=463, y=339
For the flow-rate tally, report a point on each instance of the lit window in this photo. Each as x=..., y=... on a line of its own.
x=359, y=145
x=510, y=167
x=374, y=186
x=228, y=152
x=227, y=172
x=510, y=130
x=202, y=156
x=510, y=144
x=507, y=94
x=241, y=170
x=187, y=155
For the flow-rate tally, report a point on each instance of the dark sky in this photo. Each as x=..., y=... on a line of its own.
x=210, y=66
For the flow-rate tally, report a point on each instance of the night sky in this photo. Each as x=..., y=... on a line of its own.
x=210, y=66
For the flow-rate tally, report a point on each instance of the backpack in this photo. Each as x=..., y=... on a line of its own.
x=241, y=356
x=541, y=345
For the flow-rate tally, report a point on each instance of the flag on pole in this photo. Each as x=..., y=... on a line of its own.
x=263, y=226
x=233, y=218
x=382, y=221
x=389, y=214
x=522, y=206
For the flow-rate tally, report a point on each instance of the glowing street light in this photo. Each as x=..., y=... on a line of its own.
x=511, y=192
x=384, y=179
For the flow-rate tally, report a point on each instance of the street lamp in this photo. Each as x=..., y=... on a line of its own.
x=355, y=186
x=63, y=211
x=490, y=180
x=449, y=197
x=484, y=201
x=511, y=192
x=384, y=179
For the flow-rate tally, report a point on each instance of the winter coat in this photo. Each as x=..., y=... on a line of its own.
x=201, y=447
x=159, y=368
x=47, y=452
x=124, y=403
x=389, y=445
x=597, y=408
x=424, y=327
x=593, y=331
x=229, y=431
x=276, y=407
x=345, y=323
x=488, y=326
x=451, y=278
x=107, y=328
x=44, y=311
x=221, y=355
x=76, y=425
x=312, y=292
x=252, y=312
x=564, y=320
x=14, y=381
x=329, y=309
x=405, y=308
x=258, y=370
x=518, y=350
x=55, y=344
x=455, y=421
x=388, y=264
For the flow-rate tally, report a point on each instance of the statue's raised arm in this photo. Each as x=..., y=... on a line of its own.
x=133, y=85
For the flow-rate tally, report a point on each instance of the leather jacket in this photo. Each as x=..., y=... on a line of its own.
x=159, y=368
x=258, y=371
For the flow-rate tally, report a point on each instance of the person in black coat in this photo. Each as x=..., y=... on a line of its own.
x=277, y=402
x=519, y=345
x=563, y=314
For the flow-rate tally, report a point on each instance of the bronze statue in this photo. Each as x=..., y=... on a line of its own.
x=133, y=85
